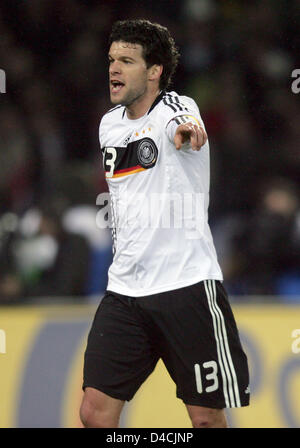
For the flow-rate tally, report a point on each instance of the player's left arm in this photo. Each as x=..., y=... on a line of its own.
x=192, y=132
x=187, y=128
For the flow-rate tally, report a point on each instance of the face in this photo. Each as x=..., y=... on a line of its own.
x=128, y=73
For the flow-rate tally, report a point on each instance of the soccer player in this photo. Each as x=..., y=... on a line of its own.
x=165, y=298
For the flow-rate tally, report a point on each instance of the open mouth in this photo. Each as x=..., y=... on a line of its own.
x=116, y=86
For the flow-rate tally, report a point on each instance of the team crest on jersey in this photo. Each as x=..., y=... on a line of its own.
x=147, y=153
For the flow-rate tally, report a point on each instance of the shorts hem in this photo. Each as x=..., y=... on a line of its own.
x=205, y=404
x=106, y=390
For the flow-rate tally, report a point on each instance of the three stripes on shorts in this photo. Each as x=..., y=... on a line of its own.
x=229, y=378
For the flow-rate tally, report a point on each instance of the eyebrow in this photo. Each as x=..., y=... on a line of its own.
x=121, y=58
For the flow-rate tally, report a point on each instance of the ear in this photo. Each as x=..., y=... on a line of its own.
x=155, y=72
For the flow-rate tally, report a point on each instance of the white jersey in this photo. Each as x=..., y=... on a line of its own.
x=159, y=200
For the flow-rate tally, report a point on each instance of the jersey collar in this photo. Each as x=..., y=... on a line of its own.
x=155, y=102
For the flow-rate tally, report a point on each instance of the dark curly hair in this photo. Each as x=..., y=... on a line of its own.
x=158, y=45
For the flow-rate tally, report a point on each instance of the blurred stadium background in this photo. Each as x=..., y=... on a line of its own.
x=237, y=59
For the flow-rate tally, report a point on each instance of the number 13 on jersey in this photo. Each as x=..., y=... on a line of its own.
x=110, y=162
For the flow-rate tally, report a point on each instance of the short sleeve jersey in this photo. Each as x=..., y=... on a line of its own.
x=159, y=199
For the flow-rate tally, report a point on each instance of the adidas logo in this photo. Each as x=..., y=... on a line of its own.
x=247, y=391
x=125, y=143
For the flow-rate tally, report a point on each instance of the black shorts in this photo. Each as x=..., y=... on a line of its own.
x=191, y=329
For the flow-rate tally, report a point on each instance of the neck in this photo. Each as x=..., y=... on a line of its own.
x=141, y=105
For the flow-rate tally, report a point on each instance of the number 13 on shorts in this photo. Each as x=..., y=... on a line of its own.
x=210, y=375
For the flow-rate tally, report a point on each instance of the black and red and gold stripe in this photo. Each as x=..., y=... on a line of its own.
x=126, y=161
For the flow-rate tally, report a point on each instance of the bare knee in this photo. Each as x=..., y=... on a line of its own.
x=99, y=411
x=207, y=417
x=92, y=417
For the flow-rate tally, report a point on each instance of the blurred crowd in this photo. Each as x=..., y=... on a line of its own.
x=236, y=62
